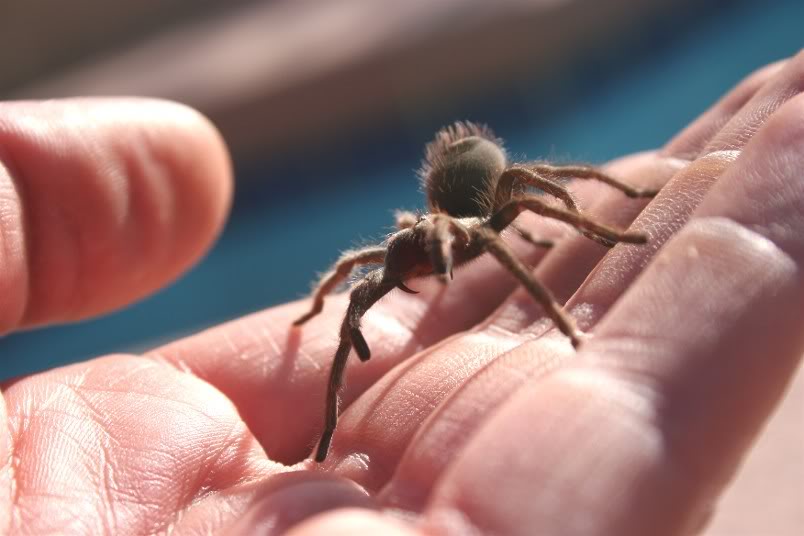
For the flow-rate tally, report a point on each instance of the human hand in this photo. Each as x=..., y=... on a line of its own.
x=501, y=428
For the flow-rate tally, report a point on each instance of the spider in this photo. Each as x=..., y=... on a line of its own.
x=473, y=194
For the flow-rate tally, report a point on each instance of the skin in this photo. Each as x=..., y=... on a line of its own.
x=697, y=336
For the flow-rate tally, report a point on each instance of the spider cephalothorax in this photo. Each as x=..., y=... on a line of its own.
x=473, y=194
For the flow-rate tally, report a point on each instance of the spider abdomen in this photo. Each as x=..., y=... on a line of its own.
x=461, y=170
x=408, y=255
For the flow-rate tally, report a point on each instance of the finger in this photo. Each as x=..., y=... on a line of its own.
x=668, y=213
x=650, y=421
x=691, y=141
x=785, y=84
x=352, y=521
x=716, y=137
x=124, y=445
x=672, y=208
x=288, y=499
x=102, y=202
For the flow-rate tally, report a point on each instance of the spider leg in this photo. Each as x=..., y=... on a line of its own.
x=590, y=172
x=528, y=237
x=405, y=219
x=494, y=245
x=440, y=238
x=341, y=270
x=513, y=175
x=365, y=294
x=506, y=215
x=519, y=174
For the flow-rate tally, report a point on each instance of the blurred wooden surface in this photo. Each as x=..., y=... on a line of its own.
x=44, y=37
x=274, y=72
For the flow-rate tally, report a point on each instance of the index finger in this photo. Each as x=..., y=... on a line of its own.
x=102, y=201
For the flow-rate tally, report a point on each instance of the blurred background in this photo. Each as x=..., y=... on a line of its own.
x=326, y=107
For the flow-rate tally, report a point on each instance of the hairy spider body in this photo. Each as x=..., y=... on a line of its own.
x=461, y=167
x=473, y=194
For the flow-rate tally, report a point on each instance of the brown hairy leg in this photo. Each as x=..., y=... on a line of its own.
x=589, y=172
x=496, y=247
x=506, y=215
x=528, y=237
x=521, y=175
x=343, y=267
x=365, y=294
x=440, y=238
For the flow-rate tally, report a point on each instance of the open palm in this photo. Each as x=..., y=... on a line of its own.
x=473, y=414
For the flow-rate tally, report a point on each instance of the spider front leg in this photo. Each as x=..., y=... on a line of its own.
x=521, y=175
x=516, y=175
x=496, y=247
x=590, y=172
x=341, y=270
x=439, y=239
x=506, y=215
x=365, y=294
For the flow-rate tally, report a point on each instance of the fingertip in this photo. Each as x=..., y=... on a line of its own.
x=201, y=179
x=289, y=499
x=202, y=162
x=348, y=522
x=105, y=201
x=762, y=190
x=694, y=138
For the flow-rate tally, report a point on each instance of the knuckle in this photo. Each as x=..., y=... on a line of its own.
x=795, y=72
x=786, y=125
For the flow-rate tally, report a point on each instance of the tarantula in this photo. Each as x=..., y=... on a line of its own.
x=473, y=193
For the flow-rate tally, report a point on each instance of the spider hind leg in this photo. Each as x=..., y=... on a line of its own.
x=365, y=294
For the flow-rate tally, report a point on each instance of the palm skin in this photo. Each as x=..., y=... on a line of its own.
x=473, y=413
